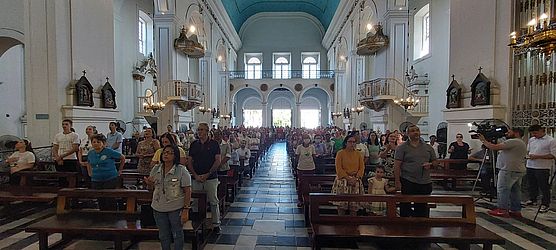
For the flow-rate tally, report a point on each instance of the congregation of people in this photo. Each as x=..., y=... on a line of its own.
x=365, y=162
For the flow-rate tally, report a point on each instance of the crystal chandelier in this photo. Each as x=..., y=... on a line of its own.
x=154, y=107
x=408, y=103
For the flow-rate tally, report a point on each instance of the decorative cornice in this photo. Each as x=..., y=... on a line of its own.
x=216, y=11
x=344, y=10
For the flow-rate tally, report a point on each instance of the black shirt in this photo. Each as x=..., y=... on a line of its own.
x=203, y=156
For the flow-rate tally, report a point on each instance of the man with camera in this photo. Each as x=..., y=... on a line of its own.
x=542, y=149
x=511, y=163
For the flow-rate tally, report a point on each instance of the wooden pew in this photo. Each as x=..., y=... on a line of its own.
x=115, y=226
x=461, y=231
x=308, y=184
x=448, y=175
x=25, y=191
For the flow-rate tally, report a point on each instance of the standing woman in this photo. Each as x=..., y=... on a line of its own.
x=459, y=150
x=387, y=154
x=171, y=197
x=167, y=139
x=350, y=167
x=374, y=149
x=84, y=148
x=145, y=151
x=22, y=159
x=305, y=154
x=104, y=174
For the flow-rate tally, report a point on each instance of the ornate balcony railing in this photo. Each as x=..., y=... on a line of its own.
x=374, y=93
x=284, y=74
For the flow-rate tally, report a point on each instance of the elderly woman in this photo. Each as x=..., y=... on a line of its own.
x=84, y=148
x=145, y=151
x=22, y=159
x=350, y=167
x=171, y=197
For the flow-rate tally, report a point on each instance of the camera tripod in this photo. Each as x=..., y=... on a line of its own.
x=488, y=156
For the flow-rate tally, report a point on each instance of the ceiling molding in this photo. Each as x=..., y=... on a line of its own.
x=262, y=15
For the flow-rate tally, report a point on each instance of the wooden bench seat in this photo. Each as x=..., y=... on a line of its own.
x=27, y=177
x=461, y=231
x=33, y=194
x=452, y=176
x=114, y=226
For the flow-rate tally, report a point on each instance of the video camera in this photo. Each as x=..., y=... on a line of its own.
x=490, y=131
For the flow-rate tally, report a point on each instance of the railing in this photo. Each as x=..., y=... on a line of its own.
x=186, y=91
x=283, y=74
x=390, y=88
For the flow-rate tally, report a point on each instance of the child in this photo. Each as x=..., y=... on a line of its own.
x=378, y=186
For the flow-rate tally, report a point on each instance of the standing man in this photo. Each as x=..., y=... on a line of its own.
x=540, y=159
x=413, y=160
x=434, y=145
x=114, y=138
x=511, y=165
x=64, y=148
x=203, y=162
x=225, y=151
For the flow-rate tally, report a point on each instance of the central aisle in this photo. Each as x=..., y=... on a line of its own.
x=265, y=215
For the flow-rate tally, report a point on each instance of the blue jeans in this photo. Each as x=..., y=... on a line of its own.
x=211, y=188
x=169, y=225
x=509, y=190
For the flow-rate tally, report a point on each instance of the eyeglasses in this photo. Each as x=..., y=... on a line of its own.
x=168, y=152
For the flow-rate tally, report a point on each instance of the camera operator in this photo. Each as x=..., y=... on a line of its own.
x=511, y=164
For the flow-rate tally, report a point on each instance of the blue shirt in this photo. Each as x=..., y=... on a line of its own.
x=113, y=138
x=103, y=164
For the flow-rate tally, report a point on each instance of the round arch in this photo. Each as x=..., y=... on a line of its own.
x=284, y=86
x=7, y=41
x=328, y=94
x=236, y=91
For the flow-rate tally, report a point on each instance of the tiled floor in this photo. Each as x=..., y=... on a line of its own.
x=265, y=216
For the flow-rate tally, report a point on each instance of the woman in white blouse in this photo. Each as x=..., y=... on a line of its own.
x=22, y=159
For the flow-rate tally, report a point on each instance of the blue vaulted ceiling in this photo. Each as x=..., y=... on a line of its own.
x=241, y=10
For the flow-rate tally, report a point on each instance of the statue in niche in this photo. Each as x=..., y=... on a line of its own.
x=84, y=91
x=453, y=94
x=108, y=96
x=480, y=90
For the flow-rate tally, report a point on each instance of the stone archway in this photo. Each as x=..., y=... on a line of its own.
x=12, y=87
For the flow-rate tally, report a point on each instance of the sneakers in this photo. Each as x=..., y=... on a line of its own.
x=499, y=213
x=515, y=214
x=544, y=209
x=530, y=203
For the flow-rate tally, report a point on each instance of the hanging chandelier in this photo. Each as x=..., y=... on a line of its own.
x=154, y=107
x=408, y=103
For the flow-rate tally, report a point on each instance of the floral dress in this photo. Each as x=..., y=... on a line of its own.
x=145, y=148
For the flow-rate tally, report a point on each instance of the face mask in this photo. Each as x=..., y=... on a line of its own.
x=306, y=140
x=318, y=140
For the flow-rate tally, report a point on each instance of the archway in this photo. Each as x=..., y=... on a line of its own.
x=322, y=99
x=310, y=112
x=12, y=87
x=252, y=113
x=282, y=108
x=240, y=103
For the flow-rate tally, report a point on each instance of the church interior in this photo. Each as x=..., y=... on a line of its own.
x=267, y=73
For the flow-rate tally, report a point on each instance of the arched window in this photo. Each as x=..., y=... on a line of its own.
x=144, y=34
x=281, y=66
x=310, y=67
x=253, y=67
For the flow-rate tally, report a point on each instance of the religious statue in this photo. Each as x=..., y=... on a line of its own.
x=84, y=91
x=480, y=90
x=453, y=94
x=108, y=96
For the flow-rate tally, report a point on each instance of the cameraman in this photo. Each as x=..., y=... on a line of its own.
x=511, y=163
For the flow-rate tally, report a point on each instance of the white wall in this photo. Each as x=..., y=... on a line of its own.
x=281, y=32
x=436, y=63
x=12, y=91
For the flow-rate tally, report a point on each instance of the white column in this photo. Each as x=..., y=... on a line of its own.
x=266, y=119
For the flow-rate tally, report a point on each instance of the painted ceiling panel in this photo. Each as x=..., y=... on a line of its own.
x=240, y=10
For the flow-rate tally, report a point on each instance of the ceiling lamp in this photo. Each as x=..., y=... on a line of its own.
x=190, y=46
x=372, y=43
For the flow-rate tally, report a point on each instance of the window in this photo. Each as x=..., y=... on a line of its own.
x=421, y=33
x=281, y=67
x=281, y=117
x=142, y=35
x=253, y=118
x=310, y=118
x=253, y=67
x=310, y=66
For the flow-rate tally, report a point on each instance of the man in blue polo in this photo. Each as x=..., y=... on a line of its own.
x=204, y=160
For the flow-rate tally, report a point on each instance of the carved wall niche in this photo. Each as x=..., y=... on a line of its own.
x=84, y=92
x=453, y=94
x=480, y=90
x=108, y=96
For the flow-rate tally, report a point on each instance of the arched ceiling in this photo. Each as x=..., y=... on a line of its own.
x=240, y=10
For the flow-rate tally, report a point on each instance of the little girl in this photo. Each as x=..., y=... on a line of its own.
x=378, y=186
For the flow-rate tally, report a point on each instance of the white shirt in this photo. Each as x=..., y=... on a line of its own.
x=435, y=147
x=305, y=157
x=362, y=149
x=85, y=146
x=541, y=146
x=65, y=143
x=22, y=159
